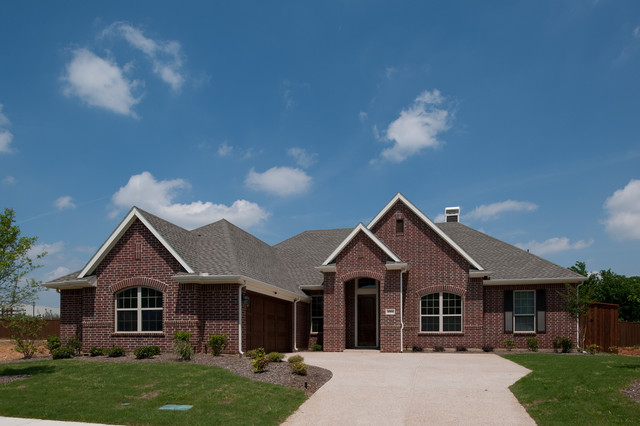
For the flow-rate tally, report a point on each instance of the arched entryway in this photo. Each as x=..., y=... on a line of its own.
x=366, y=313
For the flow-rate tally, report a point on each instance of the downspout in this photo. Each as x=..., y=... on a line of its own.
x=240, y=317
x=295, y=325
x=401, y=315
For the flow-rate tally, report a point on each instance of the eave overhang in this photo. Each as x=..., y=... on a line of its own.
x=533, y=281
x=72, y=284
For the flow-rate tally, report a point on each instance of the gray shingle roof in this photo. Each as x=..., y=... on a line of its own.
x=504, y=261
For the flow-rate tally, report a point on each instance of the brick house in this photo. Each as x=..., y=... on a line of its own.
x=400, y=281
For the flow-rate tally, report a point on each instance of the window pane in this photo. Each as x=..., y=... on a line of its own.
x=366, y=283
x=431, y=304
x=317, y=306
x=451, y=304
x=523, y=302
x=152, y=320
x=128, y=299
x=452, y=323
x=524, y=323
x=316, y=325
x=151, y=298
x=430, y=324
x=127, y=321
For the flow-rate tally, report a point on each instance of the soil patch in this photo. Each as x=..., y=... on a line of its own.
x=633, y=391
x=8, y=354
x=629, y=351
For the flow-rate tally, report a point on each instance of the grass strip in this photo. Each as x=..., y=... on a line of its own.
x=577, y=389
x=95, y=392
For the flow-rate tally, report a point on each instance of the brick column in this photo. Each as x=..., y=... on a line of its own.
x=334, y=314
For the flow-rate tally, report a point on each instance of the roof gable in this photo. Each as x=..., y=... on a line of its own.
x=401, y=198
x=115, y=236
x=352, y=235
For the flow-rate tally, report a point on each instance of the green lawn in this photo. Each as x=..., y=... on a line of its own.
x=95, y=391
x=577, y=389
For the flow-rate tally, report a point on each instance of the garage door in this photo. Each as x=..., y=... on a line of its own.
x=269, y=323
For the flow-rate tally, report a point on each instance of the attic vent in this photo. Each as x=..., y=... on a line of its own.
x=452, y=214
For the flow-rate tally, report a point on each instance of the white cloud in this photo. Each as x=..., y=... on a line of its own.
x=165, y=56
x=636, y=32
x=281, y=181
x=417, y=127
x=493, y=211
x=5, y=135
x=363, y=116
x=64, y=203
x=623, y=212
x=146, y=192
x=554, y=245
x=8, y=180
x=303, y=159
x=60, y=271
x=53, y=248
x=224, y=149
x=439, y=218
x=100, y=82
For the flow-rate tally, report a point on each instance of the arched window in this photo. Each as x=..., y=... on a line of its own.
x=441, y=313
x=139, y=309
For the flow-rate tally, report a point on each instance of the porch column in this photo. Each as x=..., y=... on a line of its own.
x=334, y=314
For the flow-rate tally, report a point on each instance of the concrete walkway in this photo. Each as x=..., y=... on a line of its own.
x=369, y=387
x=16, y=421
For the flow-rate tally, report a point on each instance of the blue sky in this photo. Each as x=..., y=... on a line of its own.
x=307, y=115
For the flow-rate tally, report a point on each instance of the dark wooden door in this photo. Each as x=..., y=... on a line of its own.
x=269, y=323
x=366, y=320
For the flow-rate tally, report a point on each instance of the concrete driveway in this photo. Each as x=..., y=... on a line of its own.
x=369, y=387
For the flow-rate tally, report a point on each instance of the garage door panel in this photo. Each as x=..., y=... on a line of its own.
x=269, y=323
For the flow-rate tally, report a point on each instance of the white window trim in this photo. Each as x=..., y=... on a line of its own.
x=317, y=316
x=139, y=310
x=359, y=291
x=441, y=315
x=523, y=315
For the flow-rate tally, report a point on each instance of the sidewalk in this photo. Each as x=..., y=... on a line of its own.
x=16, y=421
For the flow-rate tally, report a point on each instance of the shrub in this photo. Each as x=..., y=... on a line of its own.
x=24, y=332
x=116, y=351
x=256, y=353
x=509, y=344
x=143, y=352
x=275, y=356
x=217, y=343
x=416, y=348
x=97, y=351
x=182, y=336
x=567, y=345
x=181, y=345
x=75, y=344
x=61, y=353
x=461, y=348
x=53, y=342
x=316, y=347
x=613, y=349
x=438, y=348
x=487, y=348
x=532, y=344
x=294, y=359
x=259, y=364
x=299, y=368
x=593, y=349
x=557, y=344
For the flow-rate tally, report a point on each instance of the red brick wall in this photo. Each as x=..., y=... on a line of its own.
x=200, y=309
x=558, y=322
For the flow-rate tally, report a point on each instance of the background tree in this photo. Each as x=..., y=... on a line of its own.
x=15, y=264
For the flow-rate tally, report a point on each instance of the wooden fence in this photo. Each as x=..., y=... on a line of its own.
x=604, y=329
x=628, y=334
x=51, y=327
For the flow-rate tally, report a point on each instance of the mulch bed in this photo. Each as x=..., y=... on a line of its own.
x=276, y=372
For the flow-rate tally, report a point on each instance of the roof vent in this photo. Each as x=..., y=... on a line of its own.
x=452, y=214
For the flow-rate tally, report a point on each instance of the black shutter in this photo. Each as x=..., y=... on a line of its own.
x=541, y=311
x=508, y=311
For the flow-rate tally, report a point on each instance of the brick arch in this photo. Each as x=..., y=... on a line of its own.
x=445, y=288
x=138, y=282
x=362, y=273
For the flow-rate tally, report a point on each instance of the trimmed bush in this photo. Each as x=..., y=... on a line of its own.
x=532, y=344
x=299, y=368
x=182, y=336
x=509, y=344
x=75, y=344
x=143, y=352
x=62, y=353
x=259, y=364
x=275, y=356
x=53, y=343
x=116, y=352
x=567, y=345
x=461, y=348
x=217, y=343
x=438, y=348
x=256, y=353
x=316, y=347
x=593, y=349
x=487, y=348
x=295, y=358
x=97, y=351
x=417, y=348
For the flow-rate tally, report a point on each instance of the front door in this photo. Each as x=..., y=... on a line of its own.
x=366, y=320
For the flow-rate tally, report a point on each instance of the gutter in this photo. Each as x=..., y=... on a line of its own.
x=520, y=281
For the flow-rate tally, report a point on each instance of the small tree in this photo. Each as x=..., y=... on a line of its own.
x=24, y=331
x=15, y=264
x=578, y=299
